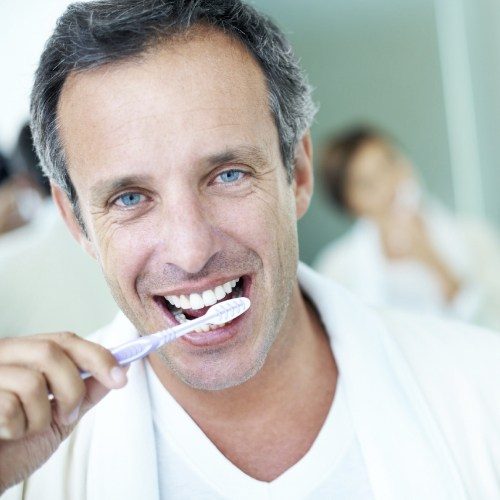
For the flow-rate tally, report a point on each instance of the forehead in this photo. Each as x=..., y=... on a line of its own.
x=370, y=158
x=184, y=97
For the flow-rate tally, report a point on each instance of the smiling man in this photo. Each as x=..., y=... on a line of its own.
x=182, y=195
x=175, y=135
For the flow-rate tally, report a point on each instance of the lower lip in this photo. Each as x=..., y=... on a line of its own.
x=214, y=337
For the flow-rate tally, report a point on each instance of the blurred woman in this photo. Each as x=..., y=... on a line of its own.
x=24, y=187
x=405, y=249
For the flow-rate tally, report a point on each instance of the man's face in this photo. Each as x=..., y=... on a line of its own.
x=175, y=158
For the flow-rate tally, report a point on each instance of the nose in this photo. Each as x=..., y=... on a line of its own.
x=188, y=234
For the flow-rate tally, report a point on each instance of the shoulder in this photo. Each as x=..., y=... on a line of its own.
x=447, y=354
x=456, y=368
x=454, y=337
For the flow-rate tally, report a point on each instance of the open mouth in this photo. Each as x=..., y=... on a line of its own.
x=186, y=307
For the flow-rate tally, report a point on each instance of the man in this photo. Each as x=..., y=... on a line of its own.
x=176, y=137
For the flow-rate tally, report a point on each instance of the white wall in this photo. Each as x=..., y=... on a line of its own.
x=24, y=28
x=483, y=35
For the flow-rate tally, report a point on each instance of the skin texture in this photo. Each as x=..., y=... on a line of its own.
x=176, y=162
x=375, y=175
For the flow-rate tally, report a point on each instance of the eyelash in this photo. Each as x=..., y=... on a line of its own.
x=240, y=171
x=128, y=193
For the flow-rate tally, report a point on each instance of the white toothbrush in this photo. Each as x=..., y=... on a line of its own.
x=218, y=314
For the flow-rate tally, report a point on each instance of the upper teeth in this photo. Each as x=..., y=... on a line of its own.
x=203, y=299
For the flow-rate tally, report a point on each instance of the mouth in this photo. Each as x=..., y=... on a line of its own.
x=193, y=304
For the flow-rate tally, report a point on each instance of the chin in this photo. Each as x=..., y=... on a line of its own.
x=215, y=371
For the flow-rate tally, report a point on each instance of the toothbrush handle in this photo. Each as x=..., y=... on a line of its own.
x=130, y=351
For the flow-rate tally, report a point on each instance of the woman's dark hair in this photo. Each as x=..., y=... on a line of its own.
x=336, y=158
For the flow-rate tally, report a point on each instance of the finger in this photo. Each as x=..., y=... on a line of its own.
x=98, y=361
x=12, y=419
x=30, y=387
x=86, y=355
x=63, y=379
x=93, y=358
x=58, y=357
x=62, y=375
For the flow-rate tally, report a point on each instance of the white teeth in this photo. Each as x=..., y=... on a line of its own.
x=209, y=328
x=174, y=300
x=196, y=301
x=209, y=298
x=180, y=317
x=185, y=304
x=203, y=329
x=203, y=299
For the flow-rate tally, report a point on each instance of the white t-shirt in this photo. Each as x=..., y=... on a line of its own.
x=191, y=467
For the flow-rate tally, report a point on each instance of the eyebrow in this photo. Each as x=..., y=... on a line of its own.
x=245, y=153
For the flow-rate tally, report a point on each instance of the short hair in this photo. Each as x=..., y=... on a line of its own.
x=92, y=34
x=337, y=155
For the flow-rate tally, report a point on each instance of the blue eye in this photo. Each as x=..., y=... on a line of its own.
x=129, y=199
x=230, y=176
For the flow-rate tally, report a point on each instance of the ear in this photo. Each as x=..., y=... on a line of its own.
x=303, y=180
x=67, y=213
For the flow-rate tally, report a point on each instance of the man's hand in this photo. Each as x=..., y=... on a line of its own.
x=31, y=426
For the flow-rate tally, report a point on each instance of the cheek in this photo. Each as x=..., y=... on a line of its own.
x=122, y=252
x=357, y=201
x=259, y=221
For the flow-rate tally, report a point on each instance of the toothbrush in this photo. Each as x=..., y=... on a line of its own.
x=218, y=314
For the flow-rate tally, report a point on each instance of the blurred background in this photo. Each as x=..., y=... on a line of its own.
x=427, y=71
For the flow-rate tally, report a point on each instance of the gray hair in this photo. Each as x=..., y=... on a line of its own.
x=93, y=34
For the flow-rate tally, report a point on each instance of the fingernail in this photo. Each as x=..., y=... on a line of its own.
x=118, y=375
x=5, y=433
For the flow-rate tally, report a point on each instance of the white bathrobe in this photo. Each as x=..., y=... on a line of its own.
x=423, y=394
